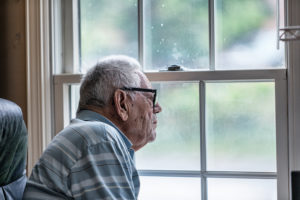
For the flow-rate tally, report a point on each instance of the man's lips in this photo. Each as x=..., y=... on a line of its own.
x=154, y=119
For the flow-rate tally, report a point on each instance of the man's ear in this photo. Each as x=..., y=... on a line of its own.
x=121, y=104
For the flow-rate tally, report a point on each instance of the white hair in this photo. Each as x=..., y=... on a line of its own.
x=110, y=73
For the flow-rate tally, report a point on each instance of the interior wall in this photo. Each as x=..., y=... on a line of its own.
x=13, y=53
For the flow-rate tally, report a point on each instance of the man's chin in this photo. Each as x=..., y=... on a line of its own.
x=152, y=137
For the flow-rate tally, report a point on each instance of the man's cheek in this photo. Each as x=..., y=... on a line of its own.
x=147, y=116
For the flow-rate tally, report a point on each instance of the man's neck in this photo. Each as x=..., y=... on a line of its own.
x=106, y=112
x=109, y=113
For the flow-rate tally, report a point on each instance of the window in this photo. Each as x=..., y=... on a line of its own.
x=196, y=34
x=223, y=123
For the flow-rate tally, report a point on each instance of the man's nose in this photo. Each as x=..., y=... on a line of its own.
x=157, y=108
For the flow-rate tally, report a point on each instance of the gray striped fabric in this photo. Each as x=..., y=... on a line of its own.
x=89, y=159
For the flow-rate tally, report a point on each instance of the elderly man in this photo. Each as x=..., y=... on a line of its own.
x=93, y=158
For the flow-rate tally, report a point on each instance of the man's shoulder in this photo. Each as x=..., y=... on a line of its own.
x=90, y=132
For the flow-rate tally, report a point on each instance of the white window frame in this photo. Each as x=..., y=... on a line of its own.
x=42, y=103
x=39, y=79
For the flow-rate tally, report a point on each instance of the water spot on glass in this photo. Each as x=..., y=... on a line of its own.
x=163, y=5
x=152, y=27
x=175, y=44
x=161, y=25
x=157, y=50
x=162, y=39
x=176, y=54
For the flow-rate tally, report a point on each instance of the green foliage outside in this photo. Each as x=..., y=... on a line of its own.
x=106, y=28
x=236, y=19
x=176, y=32
x=241, y=122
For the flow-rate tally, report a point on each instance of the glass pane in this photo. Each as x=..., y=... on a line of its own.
x=106, y=28
x=242, y=189
x=246, y=35
x=176, y=32
x=177, y=145
x=163, y=188
x=74, y=99
x=240, y=126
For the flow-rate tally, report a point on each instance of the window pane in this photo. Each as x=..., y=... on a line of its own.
x=245, y=189
x=246, y=34
x=240, y=126
x=162, y=188
x=176, y=32
x=177, y=145
x=74, y=99
x=107, y=27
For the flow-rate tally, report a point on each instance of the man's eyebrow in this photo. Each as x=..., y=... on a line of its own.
x=148, y=94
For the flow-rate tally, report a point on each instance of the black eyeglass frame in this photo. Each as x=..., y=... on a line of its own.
x=154, y=91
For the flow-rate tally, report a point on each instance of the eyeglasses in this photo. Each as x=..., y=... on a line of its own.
x=143, y=90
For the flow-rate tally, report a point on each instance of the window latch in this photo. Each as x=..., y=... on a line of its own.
x=175, y=68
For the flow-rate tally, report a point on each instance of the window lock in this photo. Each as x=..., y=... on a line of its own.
x=175, y=68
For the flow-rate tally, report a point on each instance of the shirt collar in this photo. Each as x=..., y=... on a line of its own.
x=88, y=115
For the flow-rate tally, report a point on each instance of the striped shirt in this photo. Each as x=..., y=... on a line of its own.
x=89, y=159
